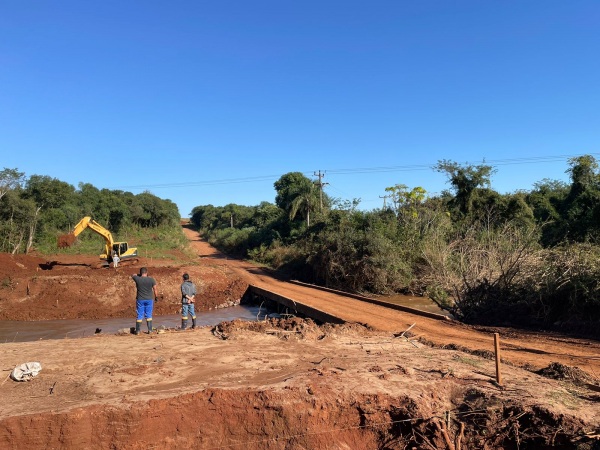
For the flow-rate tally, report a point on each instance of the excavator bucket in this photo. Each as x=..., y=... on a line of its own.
x=66, y=240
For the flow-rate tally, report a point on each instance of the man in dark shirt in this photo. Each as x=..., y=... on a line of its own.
x=146, y=293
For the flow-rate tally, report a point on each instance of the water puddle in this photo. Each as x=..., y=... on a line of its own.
x=420, y=303
x=18, y=331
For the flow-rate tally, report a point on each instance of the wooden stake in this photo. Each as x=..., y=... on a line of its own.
x=404, y=332
x=497, y=348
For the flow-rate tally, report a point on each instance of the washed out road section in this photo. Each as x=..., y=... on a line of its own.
x=522, y=348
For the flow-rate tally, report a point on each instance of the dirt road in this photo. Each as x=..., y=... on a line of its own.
x=277, y=384
x=531, y=349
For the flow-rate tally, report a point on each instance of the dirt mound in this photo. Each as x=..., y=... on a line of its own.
x=283, y=328
x=289, y=328
x=18, y=264
x=75, y=287
x=558, y=371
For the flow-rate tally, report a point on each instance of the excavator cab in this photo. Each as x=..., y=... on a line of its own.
x=124, y=251
x=120, y=248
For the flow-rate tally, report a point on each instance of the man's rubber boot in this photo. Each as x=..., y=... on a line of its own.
x=193, y=322
x=183, y=324
x=137, y=327
x=149, y=322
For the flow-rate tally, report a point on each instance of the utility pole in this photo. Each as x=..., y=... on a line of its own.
x=384, y=197
x=320, y=184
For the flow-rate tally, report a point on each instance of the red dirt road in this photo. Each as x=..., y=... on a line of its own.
x=275, y=384
x=522, y=348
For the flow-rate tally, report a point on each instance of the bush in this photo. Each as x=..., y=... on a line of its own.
x=566, y=286
x=482, y=270
x=231, y=240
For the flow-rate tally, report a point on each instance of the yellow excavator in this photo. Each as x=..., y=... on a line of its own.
x=122, y=249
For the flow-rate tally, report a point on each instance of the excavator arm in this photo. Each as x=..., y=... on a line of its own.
x=121, y=248
x=88, y=222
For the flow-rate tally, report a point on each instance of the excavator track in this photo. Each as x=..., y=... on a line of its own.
x=128, y=262
x=122, y=263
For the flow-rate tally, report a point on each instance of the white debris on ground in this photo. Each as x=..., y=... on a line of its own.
x=26, y=371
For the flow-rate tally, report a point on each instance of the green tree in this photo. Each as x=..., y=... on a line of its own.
x=265, y=215
x=297, y=194
x=306, y=200
x=88, y=199
x=48, y=192
x=238, y=216
x=546, y=200
x=583, y=174
x=581, y=208
x=287, y=188
x=465, y=180
x=517, y=210
x=205, y=217
x=51, y=197
x=19, y=217
x=10, y=179
x=147, y=210
x=406, y=203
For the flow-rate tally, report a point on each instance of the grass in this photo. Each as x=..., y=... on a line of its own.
x=469, y=361
x=566, y=399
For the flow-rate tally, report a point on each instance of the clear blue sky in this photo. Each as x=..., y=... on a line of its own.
x=210, y=102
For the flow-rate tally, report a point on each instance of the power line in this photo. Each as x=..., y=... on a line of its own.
x=496, y=162
x=202, y=183
x=361, y=170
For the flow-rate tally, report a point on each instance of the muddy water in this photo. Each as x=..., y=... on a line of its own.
x=16, y=331
x=420, y=303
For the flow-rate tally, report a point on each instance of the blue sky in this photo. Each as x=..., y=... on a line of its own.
x=210, y=102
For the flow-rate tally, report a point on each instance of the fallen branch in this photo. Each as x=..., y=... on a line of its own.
x=402, y=335
x=460, y=435
x=405, y=331
x=444, y=432
x=218, y=334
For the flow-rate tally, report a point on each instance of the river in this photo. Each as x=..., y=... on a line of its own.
x=21, y=331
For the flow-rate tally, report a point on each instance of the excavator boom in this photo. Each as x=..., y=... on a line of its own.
x=122, y=249
x=88, y=222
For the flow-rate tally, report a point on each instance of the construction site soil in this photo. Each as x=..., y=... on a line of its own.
x=277, y=383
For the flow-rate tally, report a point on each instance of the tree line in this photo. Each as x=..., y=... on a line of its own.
x=35, y=209
x=524, y=258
